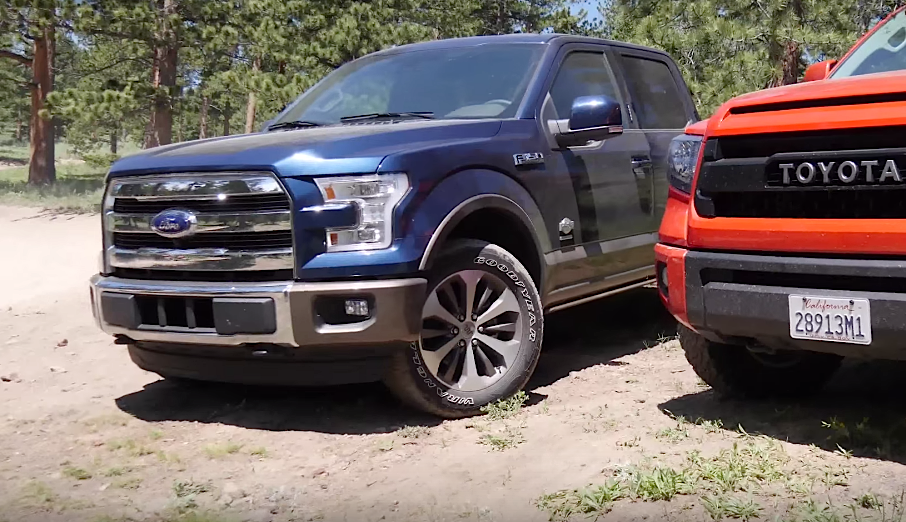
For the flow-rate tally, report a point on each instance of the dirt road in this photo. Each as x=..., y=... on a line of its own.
x=85, y=435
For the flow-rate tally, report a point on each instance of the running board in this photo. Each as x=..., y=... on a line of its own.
x=646, y=283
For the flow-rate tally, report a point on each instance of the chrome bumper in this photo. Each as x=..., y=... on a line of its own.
x=396, y=311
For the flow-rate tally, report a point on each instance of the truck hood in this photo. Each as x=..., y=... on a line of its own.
x=826, y=104
x=337, y=149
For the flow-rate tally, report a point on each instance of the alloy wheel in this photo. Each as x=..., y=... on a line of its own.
x=471, y=330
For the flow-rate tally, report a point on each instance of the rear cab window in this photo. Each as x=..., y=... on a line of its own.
x=655, y=94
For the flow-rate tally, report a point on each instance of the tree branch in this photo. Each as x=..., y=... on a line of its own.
x=21, y=58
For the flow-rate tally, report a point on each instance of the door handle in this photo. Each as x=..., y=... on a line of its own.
x=641, y=167
x=640, y=163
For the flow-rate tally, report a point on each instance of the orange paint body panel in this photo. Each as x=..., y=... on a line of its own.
x=728, y=238
x=676, y=274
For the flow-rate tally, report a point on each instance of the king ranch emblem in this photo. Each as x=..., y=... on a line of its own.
x=843, y=172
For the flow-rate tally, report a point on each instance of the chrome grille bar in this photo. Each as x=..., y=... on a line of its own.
x=268, y=221
x=222, y=203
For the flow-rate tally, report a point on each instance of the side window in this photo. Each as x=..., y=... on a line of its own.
x=581, y=74
x=655, y=96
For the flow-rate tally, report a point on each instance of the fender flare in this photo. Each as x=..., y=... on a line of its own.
x=505, y=195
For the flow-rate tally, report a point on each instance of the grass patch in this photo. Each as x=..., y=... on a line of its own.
x=748, y=467
x=118, y=471
x=720, y=507
x=221, y=450
x=186, y=488
x=508, y=439
x=505, y=408
x=259, y=452
x=38, y=494
x=76, y=473
x=130, y=446
x=413, y=432
x=592, y=501
x=79, y=189
x=128, y=483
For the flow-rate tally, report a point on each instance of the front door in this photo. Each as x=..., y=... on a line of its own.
x=612, y=182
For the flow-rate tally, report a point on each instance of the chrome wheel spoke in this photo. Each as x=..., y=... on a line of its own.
x=507, y=302
x=470, y=379
x=433, y=358
x=501, y=328
x=507, y=349
x=433, y=308
x=470, y=278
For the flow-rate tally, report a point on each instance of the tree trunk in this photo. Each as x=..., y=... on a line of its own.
x=203, y=117
x=163, y=78
x=114, y=142
x=790, y=65
x=41, y=169
x=227, y=114
x=18, y=127
x=253, y=100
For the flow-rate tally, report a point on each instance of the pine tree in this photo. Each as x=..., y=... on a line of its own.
x=729, y=47
x=29, y=29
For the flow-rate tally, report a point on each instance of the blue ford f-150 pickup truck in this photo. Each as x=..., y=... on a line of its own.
x=410, y=218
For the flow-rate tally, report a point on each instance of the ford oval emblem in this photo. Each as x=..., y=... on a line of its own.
x=174, y=223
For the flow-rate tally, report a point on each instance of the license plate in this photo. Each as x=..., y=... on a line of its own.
x=830, y=319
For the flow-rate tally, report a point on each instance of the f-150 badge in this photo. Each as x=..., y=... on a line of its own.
x=528, y=158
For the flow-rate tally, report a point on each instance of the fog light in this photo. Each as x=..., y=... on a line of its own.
x=664, y=277
x=357, y=307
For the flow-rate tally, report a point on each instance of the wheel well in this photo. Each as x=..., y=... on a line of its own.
x=504, y=230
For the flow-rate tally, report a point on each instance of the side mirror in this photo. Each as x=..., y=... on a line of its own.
x=819, y=71
x=593, y=118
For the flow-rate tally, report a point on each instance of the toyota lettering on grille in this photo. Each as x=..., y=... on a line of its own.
x=849, y=172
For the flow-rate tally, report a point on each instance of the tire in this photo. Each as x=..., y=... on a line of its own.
x=455, y=367
x=736, y=372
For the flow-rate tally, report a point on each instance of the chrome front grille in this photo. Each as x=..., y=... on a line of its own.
x=240, y=221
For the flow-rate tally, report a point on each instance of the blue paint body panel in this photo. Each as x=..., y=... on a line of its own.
x=449, y=162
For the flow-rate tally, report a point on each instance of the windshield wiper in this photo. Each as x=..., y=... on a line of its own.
x=298, y=124
x=378, y=115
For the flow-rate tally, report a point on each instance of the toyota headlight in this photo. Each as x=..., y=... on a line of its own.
x=682, y=161
x=376, y=198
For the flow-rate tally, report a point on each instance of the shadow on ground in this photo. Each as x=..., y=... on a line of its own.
x=862, y=410
x=574, y=339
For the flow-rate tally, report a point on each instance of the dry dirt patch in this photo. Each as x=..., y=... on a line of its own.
x=614, y=424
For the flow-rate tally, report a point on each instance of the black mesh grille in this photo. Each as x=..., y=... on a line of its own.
x=740, y=176
x=227, y=240
x=250, y=203
x=765, y=145
x=828, y=204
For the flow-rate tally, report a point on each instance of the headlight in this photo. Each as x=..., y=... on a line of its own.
x=682, y=160
x=376, y=197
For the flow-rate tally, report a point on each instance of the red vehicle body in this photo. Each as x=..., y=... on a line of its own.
x=783, y=245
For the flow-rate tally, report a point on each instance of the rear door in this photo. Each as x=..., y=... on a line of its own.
x=661, y=108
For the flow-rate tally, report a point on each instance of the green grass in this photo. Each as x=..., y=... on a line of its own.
x=217, y=451
x=749, y=467
x=413, y=432
x=79, y=189
x=76, y=473
x=505, y=408
x=79, y=186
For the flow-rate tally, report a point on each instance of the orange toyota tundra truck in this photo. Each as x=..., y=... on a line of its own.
x=783, y=245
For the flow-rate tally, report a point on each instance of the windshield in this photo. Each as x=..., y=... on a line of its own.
x=468, y=82
x=883, y=51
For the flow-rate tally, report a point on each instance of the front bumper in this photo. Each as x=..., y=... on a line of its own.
x=741, y=298
x=288, y=314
